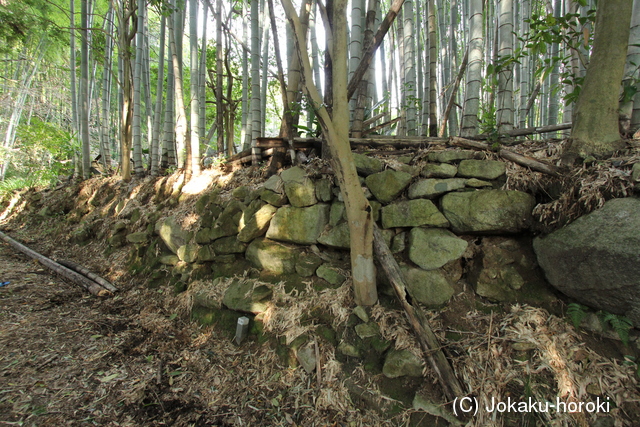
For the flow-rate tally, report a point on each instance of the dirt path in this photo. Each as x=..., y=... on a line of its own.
x=68, y=358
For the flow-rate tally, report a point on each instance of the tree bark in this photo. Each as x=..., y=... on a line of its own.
x=336, y=131
x=595, y=129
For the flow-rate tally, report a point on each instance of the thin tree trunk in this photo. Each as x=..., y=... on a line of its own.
x=504, y=110
x=433, y=120
x=106, y=91
x=181, y=116
x=157, y=116
x=474, y=72
x=336, y=131
x=255, y=82
x=137, y=98
x=195, y=90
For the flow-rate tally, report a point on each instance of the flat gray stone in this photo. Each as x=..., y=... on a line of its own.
x=431, y=248
x=244, y=295
x=273, y=198
x=413, y=213
x=188, y=253
x=229, y=245
x=307, y=264
x=450, y=156
x=330, y=274
x=172, y=233
x=482, y=169
x=324, y=190
x=431, y=188
x=439, y=170
x=596, y=260
x=299, y=188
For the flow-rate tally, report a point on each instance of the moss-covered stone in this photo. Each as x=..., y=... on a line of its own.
x=138, y=238
x=400, y=363
x=366, y=165
x=188, y=253
x=432, y=248
x=330, y=274
x=439, y=170
x=229, y=245
x=387, y=185
x=273, y=198
x=269, y=255
x=412, y=213
x=257, y=224
x=482, y=169
x=336, y=237
x=324, y=190
x=299, y=225
x=307, y=264
x=243, y=295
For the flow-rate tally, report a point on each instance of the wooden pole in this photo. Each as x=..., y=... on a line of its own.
x=76, y=278
x=525, y=161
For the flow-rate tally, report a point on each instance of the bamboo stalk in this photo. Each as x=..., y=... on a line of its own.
x=76, y=278
x=87, y=273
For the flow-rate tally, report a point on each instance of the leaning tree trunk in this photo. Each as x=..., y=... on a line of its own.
x=336, y=131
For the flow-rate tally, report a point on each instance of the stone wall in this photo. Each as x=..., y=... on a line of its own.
x=431, y=216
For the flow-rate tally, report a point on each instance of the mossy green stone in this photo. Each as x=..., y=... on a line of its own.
x=387, y=185
x=413, y=213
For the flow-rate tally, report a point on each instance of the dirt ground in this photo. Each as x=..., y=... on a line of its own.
x=69, y=358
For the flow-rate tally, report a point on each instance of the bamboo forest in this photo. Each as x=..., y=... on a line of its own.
x=320, y=213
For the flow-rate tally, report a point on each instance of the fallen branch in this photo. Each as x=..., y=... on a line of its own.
x=531, y=130
x=87, y=273
x=528, y=162
x=428, y=341
x=76, y=278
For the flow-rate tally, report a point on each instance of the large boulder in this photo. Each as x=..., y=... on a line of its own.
x=488, y=211
x=299, y=225
x=413, y=213
x=431, y=248
x=272, y=256
x=387, y=185
x=596, y=258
